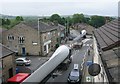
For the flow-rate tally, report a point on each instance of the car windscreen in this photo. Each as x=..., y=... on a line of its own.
x=74, y=73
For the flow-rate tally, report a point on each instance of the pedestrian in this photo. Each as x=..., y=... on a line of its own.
x=89, y=51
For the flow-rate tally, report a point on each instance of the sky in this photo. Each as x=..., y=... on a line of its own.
x=61, y=7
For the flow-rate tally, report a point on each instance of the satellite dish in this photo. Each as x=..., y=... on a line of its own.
x=94, y=69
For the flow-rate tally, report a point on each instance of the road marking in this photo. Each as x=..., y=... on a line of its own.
x=86, y=44
x=83, y=61
x=84, y=41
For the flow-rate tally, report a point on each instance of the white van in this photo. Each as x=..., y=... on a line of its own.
x=76, y=66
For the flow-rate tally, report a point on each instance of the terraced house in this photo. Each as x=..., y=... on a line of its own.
x=7, y=63
x=31, y=38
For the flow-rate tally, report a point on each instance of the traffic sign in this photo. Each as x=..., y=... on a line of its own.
x=88, y=79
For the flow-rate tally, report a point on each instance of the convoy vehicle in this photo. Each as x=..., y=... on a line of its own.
x=83, y=33
x=23, y=61
x=77, y=45
x=60, y=56
x=66, y=62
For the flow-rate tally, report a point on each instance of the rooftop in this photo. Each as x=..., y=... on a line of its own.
x=108, y=41
x=43, y=27
x=4, y=51
x=107, y=35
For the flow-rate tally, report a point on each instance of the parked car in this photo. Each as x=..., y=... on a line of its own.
x=75, y=75
x=23, y=61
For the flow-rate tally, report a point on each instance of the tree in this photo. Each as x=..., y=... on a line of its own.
x=7, y=22
x=63, y=20
x=0, y=21
x=78, y=18
x=97, y=21
x=3, y=22
x=56, y=18
x=87, y=20
x=19, y=18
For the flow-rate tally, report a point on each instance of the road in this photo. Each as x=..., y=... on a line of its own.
x=78, y=57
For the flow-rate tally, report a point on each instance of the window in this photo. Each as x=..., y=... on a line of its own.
x=49, y=35
x=10, y=37
x=45, y=48
x=21, y=39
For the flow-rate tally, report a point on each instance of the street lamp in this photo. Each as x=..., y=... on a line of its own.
x=67, y=26
x=39, y=39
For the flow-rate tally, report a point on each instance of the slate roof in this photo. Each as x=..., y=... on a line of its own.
x=108, y=40
x=111, y=61
x=107, y=35
x=61, y=27
x=4, y=51
x=44, y=27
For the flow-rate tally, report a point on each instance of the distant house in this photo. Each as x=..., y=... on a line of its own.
x=84, y=26
x=1, y=31
x=7, y=63
x=60, y=31
x=29, y=38
x=108, y=42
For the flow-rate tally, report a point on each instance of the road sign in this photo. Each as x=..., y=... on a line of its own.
x=88, y=79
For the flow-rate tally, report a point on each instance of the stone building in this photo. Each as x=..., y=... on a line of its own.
x=7, y=61
x=31, y=38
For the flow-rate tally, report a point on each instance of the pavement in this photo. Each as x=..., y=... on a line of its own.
x=86, y=76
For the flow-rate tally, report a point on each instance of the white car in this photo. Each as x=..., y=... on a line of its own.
x=23, y=61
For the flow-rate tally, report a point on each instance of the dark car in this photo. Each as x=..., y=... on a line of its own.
x=75, y=76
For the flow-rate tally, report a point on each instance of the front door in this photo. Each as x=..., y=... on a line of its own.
x=23, y=51
x=10, y=72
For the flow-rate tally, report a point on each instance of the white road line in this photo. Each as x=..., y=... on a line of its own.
x=83, y=61
x=84, y=41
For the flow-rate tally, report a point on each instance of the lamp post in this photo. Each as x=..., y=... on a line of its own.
x=67, y=26
x=39, y=39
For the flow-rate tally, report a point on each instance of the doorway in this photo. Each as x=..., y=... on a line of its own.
x=23, y=51
x=10, y=72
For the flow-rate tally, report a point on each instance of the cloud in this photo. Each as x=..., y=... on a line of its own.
x=63, y=8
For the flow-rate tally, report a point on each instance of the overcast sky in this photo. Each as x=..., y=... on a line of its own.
x=62, y=7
